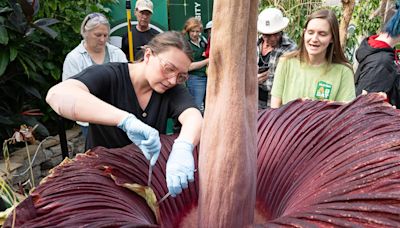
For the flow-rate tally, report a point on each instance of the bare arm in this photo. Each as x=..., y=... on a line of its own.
x=72, y=99
x=192, y=122
x=276, y=102
x=198, y=64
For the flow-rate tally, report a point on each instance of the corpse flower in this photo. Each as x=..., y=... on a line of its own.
x=319, y=164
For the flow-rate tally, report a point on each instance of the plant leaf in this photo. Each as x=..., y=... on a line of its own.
x=5, y=9
x=5, y=120
x=53, y=34
x=3, y=35
x=29, y=89
x=43, y=23
x=46, y=22
x=26, y=8
x=4, y=60
x=13, y=53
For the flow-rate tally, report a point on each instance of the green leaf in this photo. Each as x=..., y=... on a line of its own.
x=3, y=35
x=5, y=120
x=13, y=53
x=29, y=89
x=5, y=9
x=26, y=69
x=53, y=34
x=46, y=22
x=4, y=60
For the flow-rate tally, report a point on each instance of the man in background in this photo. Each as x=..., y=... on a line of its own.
x=141, y=33
x=272, y=43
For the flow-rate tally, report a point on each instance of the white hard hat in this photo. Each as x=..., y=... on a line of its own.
x=271, y=20
x=208, y=25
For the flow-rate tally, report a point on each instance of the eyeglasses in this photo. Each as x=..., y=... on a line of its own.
x=170, y=71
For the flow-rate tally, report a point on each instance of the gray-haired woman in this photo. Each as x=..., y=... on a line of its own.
x=93, y=49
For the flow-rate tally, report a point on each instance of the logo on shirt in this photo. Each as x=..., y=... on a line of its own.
x=323, y=91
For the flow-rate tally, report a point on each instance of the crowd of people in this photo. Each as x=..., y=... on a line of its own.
x=130, y=102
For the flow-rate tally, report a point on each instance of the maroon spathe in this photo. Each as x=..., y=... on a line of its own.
x=319, y=164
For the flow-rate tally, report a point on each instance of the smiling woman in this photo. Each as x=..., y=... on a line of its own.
x=318, y=70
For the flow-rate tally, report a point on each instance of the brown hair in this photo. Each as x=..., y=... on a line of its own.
x=163, y=41
x=192, y=23
x=334, y=52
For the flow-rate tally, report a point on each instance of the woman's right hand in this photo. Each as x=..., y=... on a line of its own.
x=262, y=77
x=144, y=136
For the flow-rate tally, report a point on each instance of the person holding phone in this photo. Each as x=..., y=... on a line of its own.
x=272, y=43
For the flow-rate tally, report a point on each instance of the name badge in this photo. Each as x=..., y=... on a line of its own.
x=323, y=91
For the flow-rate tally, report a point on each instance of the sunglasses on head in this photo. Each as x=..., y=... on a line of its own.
x=90, y=17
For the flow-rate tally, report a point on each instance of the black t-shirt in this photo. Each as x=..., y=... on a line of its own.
x=111, y=83
x=139, y=39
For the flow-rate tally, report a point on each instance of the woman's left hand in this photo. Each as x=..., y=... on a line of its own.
x=180, y=167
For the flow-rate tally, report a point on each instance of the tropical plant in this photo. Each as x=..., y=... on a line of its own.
x=318, y=165
x=22, y=63
x=296, y=11
x=32, y=55
x=363, y=24
x=70, y=14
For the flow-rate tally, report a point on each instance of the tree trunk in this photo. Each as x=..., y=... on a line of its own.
x=227, y=162
x=348, y=7
x=382, y=12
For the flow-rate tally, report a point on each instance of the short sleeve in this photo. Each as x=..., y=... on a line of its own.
x=180, y=100
x=279, y=80
x=347, y=91
x=70, y=67
x=99, y=78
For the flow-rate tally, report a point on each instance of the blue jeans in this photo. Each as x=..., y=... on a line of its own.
x=197, y=88
x=84, y=130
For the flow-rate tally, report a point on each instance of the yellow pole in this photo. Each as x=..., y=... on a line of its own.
x=129, y=26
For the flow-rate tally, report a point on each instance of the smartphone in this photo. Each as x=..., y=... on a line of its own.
x=262, y=69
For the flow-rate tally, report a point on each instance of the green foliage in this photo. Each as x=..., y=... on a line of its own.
x=32, y=55
x=362, y=16
x=21, y=64
x=296, y=11
x=362, y=24
x=70, y=14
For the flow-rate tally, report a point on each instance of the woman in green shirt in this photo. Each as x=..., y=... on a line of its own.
x=318, y=70
x=197, y=82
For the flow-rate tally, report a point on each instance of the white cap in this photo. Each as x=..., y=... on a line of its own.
x=142, y=5
x=271, y=20
x=208, y=25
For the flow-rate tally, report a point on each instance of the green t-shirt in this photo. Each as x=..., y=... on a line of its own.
x=198, y=51
x=295, y=80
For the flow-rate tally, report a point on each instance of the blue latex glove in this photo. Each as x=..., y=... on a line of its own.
x=144, y=136
x=180, y=167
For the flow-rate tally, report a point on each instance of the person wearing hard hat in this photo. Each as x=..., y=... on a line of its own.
x=207, y=30
x=142, y=33
x=273, y=42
